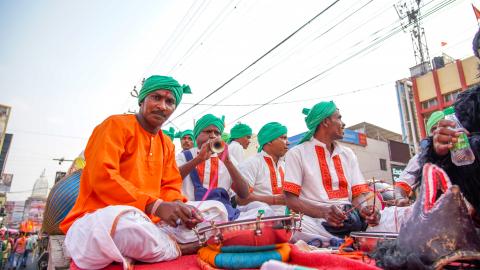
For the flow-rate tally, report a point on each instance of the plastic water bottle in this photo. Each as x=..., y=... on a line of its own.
x=461, y=152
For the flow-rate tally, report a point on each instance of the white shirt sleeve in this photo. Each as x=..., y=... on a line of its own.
x=407, y=176
x=293, y=171
x=180, y=159
x=355, y=172
x=236, y=151
x=249, y=170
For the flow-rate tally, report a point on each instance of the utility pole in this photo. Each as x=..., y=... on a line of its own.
x=409, y=12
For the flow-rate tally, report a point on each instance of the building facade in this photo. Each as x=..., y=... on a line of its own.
x=419, y=96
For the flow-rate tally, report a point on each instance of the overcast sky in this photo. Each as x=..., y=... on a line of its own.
x=67, y=65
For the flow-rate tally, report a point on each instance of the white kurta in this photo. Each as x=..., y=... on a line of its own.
x=236, y=150
x=407, y=177
x=321, y=178
x=264, y=176
x=206, y=173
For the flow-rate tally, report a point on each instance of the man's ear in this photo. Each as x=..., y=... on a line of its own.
x=325, y=122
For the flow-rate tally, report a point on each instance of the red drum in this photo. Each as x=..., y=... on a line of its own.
x=367, y=241
x=251, y=232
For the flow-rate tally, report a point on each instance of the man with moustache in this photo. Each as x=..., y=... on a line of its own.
x=265, y=171
x=186, y=139
x=323, y=179
x=129, y=183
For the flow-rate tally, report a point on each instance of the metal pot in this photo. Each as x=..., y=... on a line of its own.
x=367, y=241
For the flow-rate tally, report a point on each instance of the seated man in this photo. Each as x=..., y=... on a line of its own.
x=186, y=139
x=265, y=171
x=323, y=179
x=129, y=183
x=240, y=136
x=403, y=187
x=202, y=169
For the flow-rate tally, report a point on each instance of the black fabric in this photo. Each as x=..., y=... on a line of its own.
x=353, y=223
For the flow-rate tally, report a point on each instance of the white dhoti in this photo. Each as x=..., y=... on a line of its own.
x=250, y=210
x=119, y=233
x=312, y=229
x=391, y=219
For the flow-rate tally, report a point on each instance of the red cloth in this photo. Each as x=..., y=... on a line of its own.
x=308, y=259
x=188, y=262
x=328, y=261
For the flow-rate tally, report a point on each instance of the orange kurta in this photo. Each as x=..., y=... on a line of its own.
x=126, y=165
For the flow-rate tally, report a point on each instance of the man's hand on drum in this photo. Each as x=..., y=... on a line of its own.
x=371, y=215
x=445, y=136
x=333, y=215
x=174, y=213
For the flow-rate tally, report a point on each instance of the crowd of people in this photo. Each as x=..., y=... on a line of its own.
x=16, y=249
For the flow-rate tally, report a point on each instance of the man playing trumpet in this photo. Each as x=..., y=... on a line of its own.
x=209, y=165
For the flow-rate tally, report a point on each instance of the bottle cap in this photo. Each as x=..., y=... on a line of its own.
x=449, y=110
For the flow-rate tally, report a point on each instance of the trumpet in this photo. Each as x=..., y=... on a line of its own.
x=217, y=145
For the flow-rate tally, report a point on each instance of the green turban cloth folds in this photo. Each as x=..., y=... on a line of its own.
x=316, y=115
x=184, y=133
x=434, y=118
x=208, y=120
x=240, y=130
x=270, y=132
x=157, y=82
x=225, y=136
x=170, y=133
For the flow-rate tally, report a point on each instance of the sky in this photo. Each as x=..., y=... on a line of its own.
x=67, y=65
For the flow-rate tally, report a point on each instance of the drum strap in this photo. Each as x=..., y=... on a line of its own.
x=217, y=194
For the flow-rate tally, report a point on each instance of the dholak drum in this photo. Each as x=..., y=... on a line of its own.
x=250, y=232
x=367, y=241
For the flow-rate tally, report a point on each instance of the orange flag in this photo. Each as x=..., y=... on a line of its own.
x=477, y=12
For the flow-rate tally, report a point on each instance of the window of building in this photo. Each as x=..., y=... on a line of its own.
x=452, y=96
x=429, y=103
x=383, y=164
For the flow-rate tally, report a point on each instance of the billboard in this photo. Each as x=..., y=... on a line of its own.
x=397, y=171
x=59, y=176
x=4, y=151
x=354, y=137
x=4, y=115
x=5, y=182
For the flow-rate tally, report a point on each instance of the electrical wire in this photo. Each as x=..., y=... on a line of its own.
x=376, y=41
x=258, y=59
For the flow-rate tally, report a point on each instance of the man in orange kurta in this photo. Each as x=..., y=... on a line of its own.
x=130, y=182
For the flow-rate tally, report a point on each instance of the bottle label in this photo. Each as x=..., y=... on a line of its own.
x=462, y=143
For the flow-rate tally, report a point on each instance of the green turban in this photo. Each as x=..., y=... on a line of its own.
x=208, y=120
x=316, y=115
x=170, y=132
x=434, y=118
x=184, y=133
x=157, y=82
x=240, y=130
x=225, y=136
x=270, y=132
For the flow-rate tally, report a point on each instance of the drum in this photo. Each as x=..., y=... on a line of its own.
x=367, y=241
x=60, y=201
x=250, y=232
